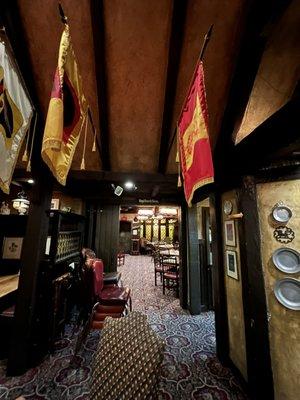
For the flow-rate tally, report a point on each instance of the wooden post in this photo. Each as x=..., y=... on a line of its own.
x=107, y=235
x=183, y=279
x=26, y=322
x=259, y=366
x=219, y=292
x=193, y=262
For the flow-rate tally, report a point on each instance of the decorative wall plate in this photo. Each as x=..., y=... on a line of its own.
x=228, y=207
x=287, y=292
x=281, y=213
x=286, y=260
x=284, y=234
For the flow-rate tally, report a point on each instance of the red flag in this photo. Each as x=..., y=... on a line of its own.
x=194, y=146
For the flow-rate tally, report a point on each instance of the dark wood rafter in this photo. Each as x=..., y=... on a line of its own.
x=175, y=47
x=101, y=78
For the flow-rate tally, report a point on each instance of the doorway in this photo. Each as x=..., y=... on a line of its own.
x=205, y=255
x=149, y=237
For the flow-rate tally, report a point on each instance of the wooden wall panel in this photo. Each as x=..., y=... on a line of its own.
x=107, y=235
x=284, y=324
x=234, y=294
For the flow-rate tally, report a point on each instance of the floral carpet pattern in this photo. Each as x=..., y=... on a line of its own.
x=190, y=368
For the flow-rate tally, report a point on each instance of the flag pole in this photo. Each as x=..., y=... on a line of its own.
x=64, y=19
x=201, y=56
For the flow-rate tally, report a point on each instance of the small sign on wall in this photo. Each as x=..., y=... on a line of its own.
x=231, y=264
x=12, y=247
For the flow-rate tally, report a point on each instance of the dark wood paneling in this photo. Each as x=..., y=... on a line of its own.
x=183, y=287
x=218, y=278
x=232, y=161
x=33, y=251
x=175, y=46
x=107, y=235
x=101, y=77
x=193, y=261
x=254, y=299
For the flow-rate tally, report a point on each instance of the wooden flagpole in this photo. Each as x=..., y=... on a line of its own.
x=201, y=56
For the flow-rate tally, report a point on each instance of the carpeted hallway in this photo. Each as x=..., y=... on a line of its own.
x=190, y=368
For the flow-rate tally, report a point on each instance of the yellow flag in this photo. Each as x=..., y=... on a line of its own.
x=65, y=113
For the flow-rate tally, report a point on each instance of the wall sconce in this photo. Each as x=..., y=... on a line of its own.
x=21, y=203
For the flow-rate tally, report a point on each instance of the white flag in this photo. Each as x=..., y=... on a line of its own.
x=15, y=115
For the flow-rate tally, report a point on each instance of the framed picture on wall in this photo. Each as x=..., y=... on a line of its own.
x=12, y=247
x=55, y=204
x=230, y=233
x=231, y=264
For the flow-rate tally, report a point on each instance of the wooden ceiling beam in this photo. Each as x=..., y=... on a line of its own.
x=175, y=47
x=101, y=78
x=110, y=176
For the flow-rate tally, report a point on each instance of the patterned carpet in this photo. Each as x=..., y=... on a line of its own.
x=190, y=369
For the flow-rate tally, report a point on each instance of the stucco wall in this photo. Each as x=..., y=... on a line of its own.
x=236, y=324
x=284, y=324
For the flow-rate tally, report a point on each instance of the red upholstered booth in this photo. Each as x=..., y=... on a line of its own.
x=108, y=294
x=111, y=300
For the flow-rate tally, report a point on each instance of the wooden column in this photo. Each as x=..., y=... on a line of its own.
x=193, y=262
x=183, y=271
x=28, y=337
x=107, y=235
x=254, y=299
x=219, y=292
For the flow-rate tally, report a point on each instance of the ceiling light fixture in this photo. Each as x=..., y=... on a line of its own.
x=168, y=210
x=117, y=190
x=21, y=203
x=129, y=185
x=31, y=181
x=145, y=211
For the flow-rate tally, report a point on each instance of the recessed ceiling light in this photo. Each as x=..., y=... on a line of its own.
x=129, y=185
x=31, y=181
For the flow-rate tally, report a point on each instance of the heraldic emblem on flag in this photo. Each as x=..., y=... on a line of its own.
x=194, y=146
x=66, y=112
x=15, y=116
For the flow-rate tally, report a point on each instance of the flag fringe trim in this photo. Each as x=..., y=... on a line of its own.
x=3, y=185
x=198, y=185
x=46, y=159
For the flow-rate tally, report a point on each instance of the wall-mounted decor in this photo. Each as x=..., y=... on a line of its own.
x=287, y=292
x=229, y=233
x=48, y=244
x=55, y=204
x=284, y=234
x=286, y=260
x=228, y=207
x=281, y=213
x=4, y=210
x=231, y=264
x=12, y=247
